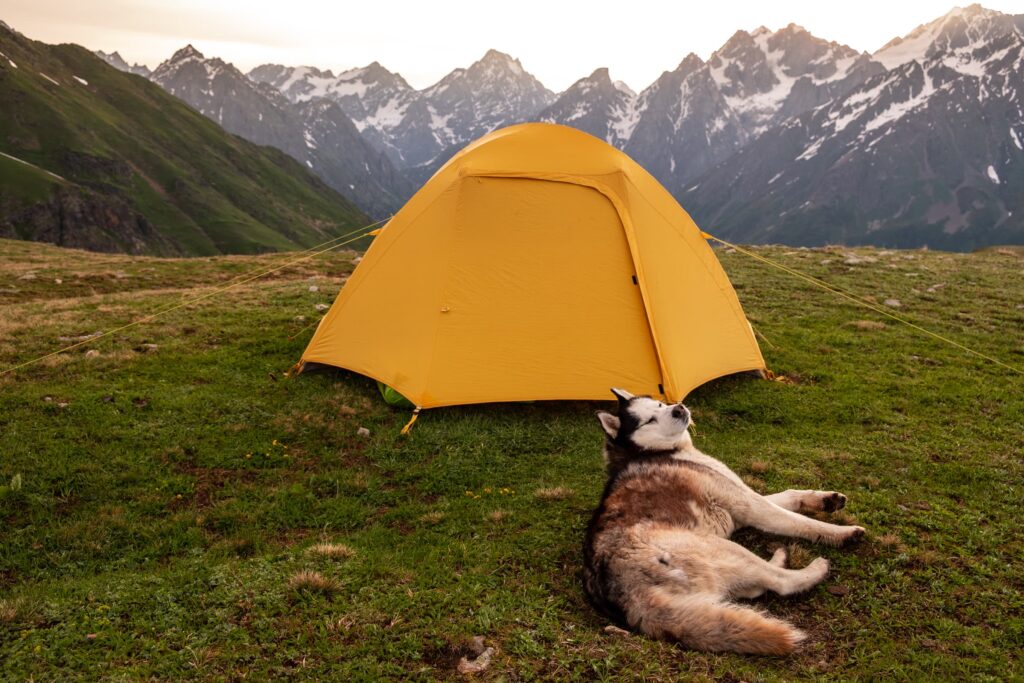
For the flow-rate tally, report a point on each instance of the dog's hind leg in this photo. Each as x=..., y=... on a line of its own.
x=717, y=566
x=745, y=575
x=808, y=501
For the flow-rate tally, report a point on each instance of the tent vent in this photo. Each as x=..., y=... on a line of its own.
x=634, y=280
x=661, y=390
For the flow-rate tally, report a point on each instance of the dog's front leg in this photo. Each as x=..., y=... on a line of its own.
x=762, y=513
x=808, y=501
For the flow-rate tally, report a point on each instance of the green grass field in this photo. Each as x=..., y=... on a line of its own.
x=161, y=489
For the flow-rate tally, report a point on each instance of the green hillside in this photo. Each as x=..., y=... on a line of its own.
x=143, y=173
x=161, y=489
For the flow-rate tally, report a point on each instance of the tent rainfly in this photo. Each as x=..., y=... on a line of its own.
x=539, y=263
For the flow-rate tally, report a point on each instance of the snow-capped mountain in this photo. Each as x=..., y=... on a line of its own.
x=316, y=133
x=685, y=124
x=700, y=113
x=955, y=34
x=768, y=77
x=418, y=129
x=597, y=106
x=928, y=152
x=778, y=136
x=115, y=60
x=374, y=98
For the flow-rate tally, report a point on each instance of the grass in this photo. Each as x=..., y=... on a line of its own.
x=172, y=485
x=121, y=140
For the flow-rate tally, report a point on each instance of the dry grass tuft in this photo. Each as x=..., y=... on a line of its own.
x=868, y=325
x=891, y=541
x=15, y=610
x=798, y=556
x=313, y=582
x=498, y=515
x=760, y=466
x=554, y=493
x=337, y=551
x=433, y=517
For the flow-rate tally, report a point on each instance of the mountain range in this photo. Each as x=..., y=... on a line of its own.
x=778, y=136
x=94, y=158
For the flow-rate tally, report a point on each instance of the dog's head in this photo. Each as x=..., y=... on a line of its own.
x=643, y=426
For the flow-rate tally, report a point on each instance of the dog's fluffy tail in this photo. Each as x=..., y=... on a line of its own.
x=703, y=622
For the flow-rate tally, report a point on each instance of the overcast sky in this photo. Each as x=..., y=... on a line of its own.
x=556, y=40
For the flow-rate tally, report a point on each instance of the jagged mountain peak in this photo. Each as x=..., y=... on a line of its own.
x=958, y=30
x=185, y=53
x=691, y=62
x=115, y=60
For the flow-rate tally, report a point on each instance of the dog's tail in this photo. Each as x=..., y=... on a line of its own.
x=703, y=622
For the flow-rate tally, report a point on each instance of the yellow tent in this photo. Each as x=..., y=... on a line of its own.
x=538, y=263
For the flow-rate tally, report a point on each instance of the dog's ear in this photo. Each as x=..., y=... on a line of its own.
x=610, y=424
x=622, y=395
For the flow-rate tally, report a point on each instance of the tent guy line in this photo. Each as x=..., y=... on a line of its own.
x=835, y=289
x=245, y=278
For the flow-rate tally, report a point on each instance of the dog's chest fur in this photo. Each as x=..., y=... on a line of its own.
x=668, y=491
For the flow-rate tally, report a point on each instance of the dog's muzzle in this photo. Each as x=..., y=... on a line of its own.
x=681, y=412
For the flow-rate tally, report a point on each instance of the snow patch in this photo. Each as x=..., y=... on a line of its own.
x=1016, y=140
x=310, y=140
x=808, y=153
x=48, y=78
x=992, y=175
x=81, y=80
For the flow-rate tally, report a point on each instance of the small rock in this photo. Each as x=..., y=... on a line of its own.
x=826, y=261
x=63, y=404
x=314, y=288
x=477, y=665
x=48, y=399
x=300, y=318
x=613, y=630
x=92, y=353
x=321, y=307
x=936, y=287
x=57, y=281
x=90, y=636
x=363, y=431
x=838, y=589
x=892, y=303
x=28, y=276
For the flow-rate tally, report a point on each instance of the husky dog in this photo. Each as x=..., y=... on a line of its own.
x=657, y=556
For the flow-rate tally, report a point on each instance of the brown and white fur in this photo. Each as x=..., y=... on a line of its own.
x=657, y=555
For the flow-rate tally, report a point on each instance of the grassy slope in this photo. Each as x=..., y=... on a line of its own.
x=168, y=493
x=208, y=191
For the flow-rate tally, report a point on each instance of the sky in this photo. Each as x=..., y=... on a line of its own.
x=557, y=41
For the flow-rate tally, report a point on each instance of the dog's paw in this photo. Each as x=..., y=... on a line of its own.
x=854, y=535
x=818, y=568
x=832, y=501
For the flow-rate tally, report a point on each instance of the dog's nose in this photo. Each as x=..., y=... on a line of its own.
x=680, y=411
